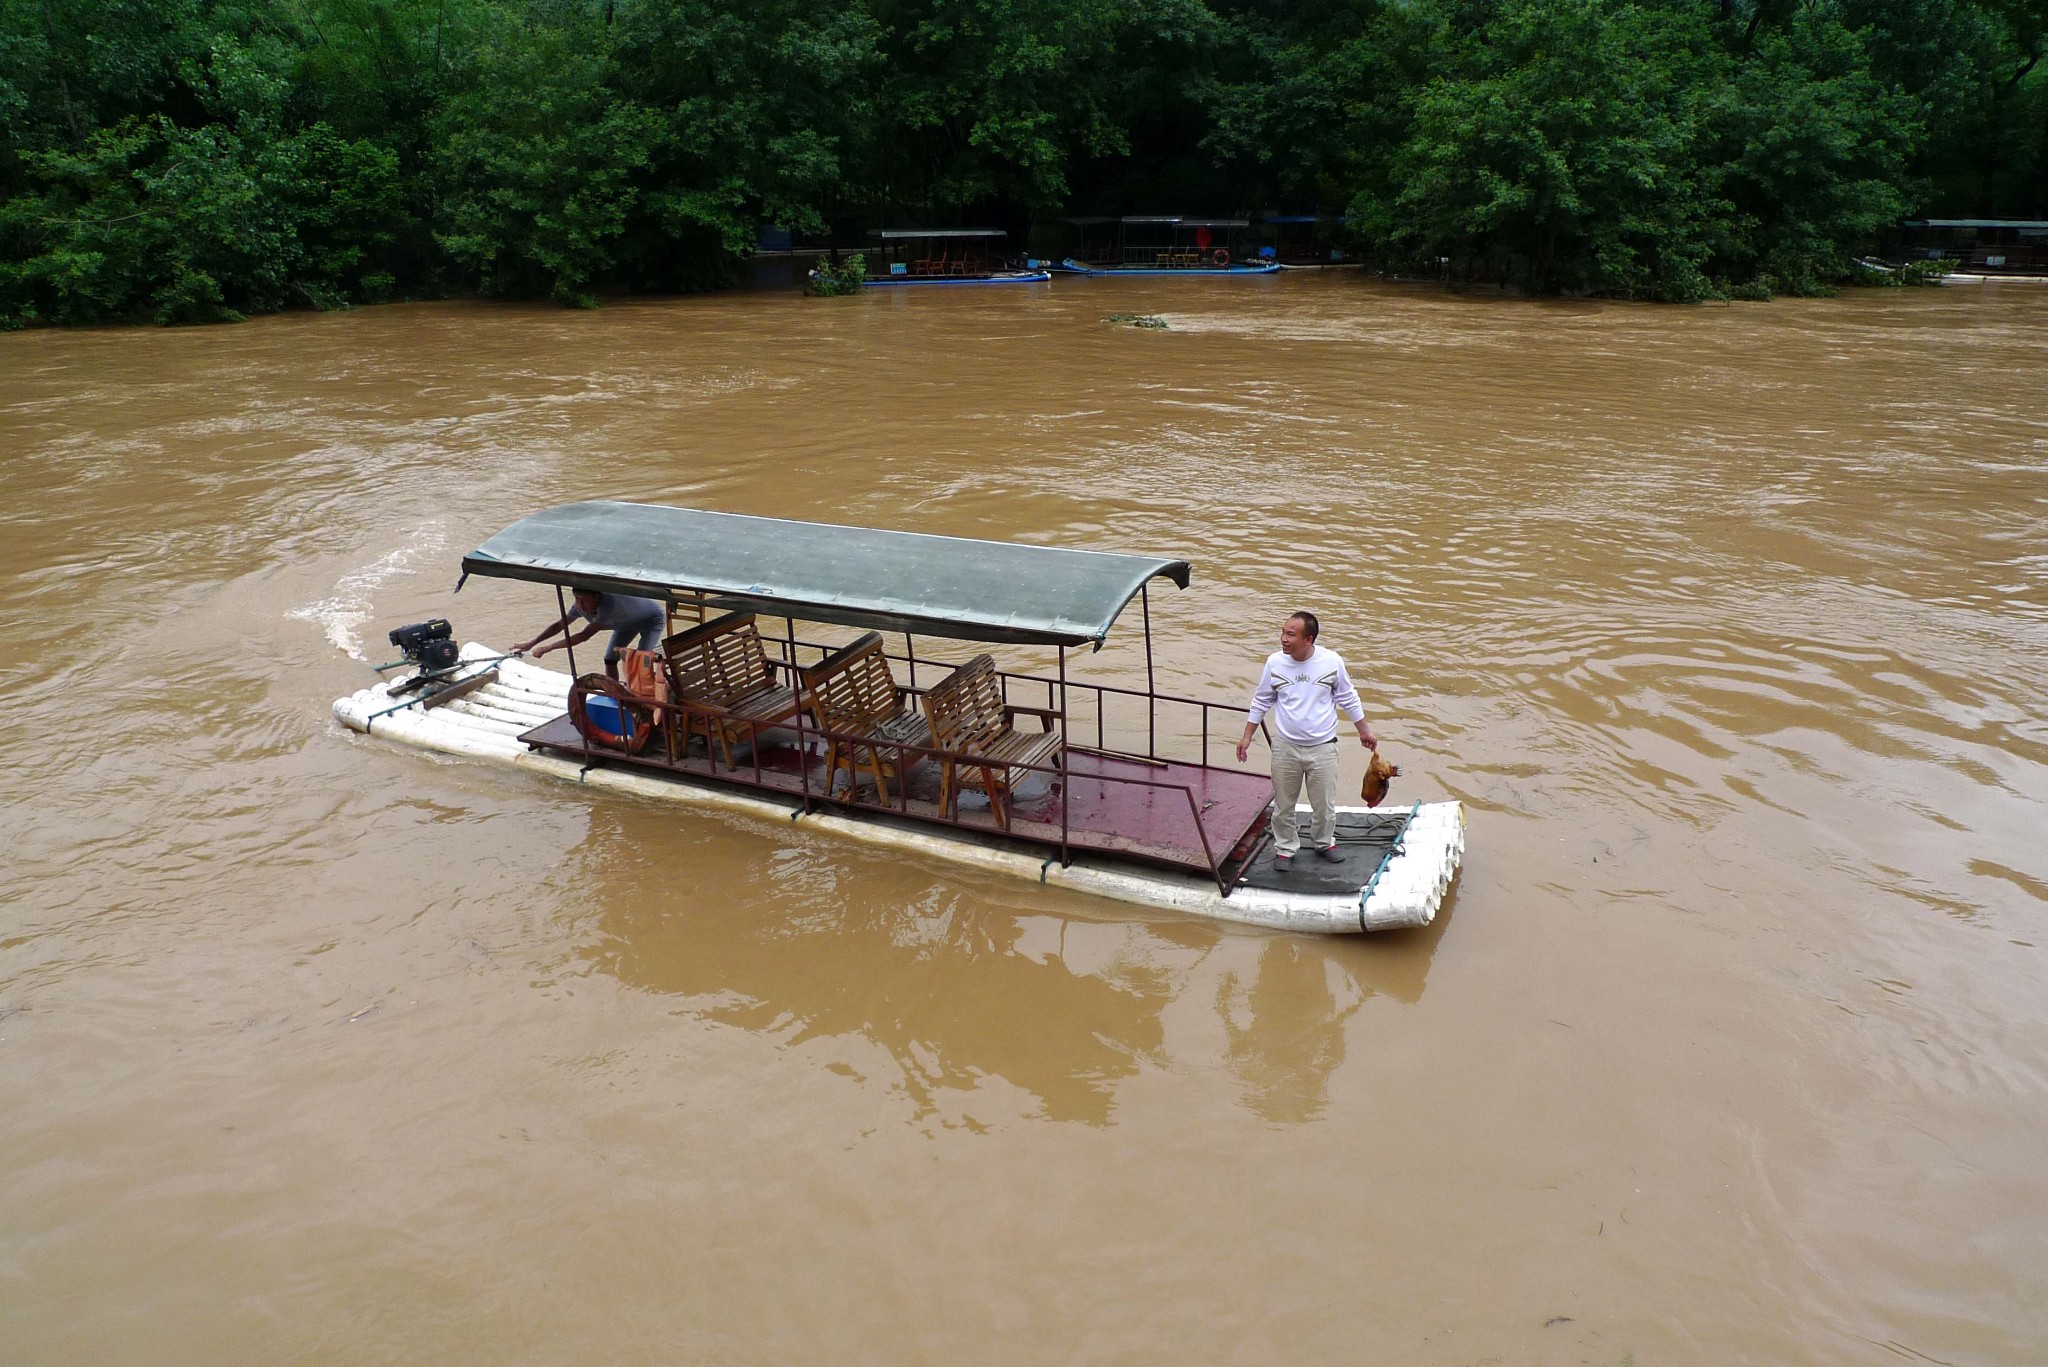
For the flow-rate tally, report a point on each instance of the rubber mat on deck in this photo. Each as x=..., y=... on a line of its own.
x=1365, y=840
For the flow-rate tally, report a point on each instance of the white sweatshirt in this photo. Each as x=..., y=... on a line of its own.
x=1304, y=695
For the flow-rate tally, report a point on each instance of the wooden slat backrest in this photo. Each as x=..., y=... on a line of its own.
x=966, y=706
x=689, y=673
x=874, y=684
x=739, y=662
x=718, y=662
x=852, y=690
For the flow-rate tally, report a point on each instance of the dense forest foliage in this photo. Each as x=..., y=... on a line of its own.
x=190, y=160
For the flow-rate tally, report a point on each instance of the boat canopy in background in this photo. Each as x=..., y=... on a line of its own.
x=851, y=576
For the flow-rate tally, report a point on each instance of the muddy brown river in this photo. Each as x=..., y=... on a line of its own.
x=1729, y=626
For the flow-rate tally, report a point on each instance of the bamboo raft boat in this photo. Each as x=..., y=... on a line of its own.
x=827, y=733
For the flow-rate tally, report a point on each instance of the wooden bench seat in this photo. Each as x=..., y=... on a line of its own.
x=977, y=731
x=721, y=675
x=857, y=703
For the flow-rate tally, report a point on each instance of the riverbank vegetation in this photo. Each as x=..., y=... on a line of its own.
x=193, y=160
x=830, y=278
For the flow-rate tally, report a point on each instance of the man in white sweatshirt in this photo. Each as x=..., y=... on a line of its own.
x=1302, y=687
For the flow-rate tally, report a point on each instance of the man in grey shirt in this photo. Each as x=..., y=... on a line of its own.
x=628, y=619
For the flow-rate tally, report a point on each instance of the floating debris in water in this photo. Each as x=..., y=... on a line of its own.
x=1138, y=320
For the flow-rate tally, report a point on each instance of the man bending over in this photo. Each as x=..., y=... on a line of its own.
x=627, y=618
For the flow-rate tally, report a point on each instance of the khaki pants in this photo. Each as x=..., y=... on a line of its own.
x=1296, y=767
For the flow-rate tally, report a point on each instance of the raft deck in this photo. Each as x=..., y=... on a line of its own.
x=1397, y=870
x=1129, y=807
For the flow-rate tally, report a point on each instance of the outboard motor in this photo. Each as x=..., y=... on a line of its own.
x=430, y=645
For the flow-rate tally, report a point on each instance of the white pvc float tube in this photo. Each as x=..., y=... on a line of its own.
x=485, y=724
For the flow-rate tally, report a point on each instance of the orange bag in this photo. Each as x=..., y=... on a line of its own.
x=645, y=675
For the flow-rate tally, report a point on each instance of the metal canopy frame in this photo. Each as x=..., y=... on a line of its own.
x=863, y=577
x=987, y=591
x=1139, y=234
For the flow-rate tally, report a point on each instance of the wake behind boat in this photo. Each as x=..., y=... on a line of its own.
x=1006, y=770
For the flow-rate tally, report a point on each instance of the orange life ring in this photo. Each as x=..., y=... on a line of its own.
x=640, y=723
x=1221, y=256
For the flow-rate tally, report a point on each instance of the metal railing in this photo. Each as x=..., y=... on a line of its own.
x=904, y=753
x=1061, y=773
x=1203, y=707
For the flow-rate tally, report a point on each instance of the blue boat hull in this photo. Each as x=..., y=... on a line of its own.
x=1234, y=268
x=1005, y=278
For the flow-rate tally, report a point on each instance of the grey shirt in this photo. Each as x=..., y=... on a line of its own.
x=619, y=613
x=628, y=618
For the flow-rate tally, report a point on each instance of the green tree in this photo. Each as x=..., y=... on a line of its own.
x=235, y=213
x=1813, y=149
x=992, y=103
x=536, y=160
x=755, y=106
x=188, y=160
x=1557, y=145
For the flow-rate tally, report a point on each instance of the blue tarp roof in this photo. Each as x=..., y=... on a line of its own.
x=853, y=576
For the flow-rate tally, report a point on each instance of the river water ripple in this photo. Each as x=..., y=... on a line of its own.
x=1727, y=623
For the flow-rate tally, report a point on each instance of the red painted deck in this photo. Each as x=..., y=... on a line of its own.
x=1112, y=803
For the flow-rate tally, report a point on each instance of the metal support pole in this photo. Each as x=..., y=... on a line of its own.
x=1066, y=787
x=803, y=748
x=562, y=602
x=1151, y=690
x=904, y=762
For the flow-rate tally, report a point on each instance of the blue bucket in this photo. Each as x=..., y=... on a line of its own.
x=606, y=715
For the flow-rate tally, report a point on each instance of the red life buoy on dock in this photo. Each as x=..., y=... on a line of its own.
x=1221, y=256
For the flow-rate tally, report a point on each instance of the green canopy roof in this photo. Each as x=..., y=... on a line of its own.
x=853, y=576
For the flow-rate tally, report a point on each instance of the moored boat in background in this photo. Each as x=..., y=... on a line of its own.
x=1306, y=242
x=1165, y=244
x=948, y=256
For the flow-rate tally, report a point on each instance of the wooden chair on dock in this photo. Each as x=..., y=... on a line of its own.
x=857, y=703
x=977, y=731
x=720, y=674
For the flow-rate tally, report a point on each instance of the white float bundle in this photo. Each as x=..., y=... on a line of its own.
x=1405, y=892
x=1413, y=883
x=487, y=722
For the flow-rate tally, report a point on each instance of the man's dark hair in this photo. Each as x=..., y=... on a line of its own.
x=1308, y=622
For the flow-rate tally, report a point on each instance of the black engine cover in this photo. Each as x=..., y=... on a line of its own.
x=439, y=653
x=430, y=645
x=411, y=639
